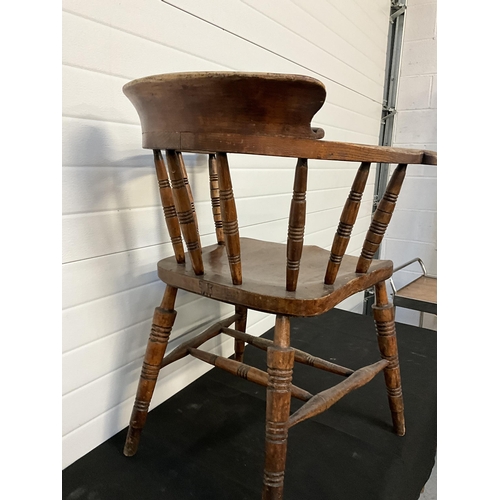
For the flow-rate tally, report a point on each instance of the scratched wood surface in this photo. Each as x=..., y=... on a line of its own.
x=264, y=287
x=268, y=114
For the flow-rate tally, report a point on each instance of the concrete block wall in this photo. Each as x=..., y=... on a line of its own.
x=413, y=230
x=113, y=228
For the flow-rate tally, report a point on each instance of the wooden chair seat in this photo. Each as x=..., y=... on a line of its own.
x=264, y=288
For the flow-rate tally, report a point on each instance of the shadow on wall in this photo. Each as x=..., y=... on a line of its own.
x=115, y=227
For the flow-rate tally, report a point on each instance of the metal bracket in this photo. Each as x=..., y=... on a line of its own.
x=401, y=8
x=390, y=112
x=416, y=259
x=369, y=294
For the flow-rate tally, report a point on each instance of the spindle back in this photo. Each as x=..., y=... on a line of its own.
x=266, y=114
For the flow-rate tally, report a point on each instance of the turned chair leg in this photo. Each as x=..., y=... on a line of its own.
x=280, y=358
x=163, y=320
x=241, y=325
x=383, y=313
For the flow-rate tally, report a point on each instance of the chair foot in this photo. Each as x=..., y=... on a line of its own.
x=383, y=313
x=280, y=358
x=132, y=441
x=163, y=321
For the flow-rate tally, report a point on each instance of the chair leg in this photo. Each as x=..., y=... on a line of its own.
x=280, y=358
x=241, y=325
x=163, y=321
x=383, y=313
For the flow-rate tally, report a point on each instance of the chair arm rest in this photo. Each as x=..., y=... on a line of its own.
x=313, y=149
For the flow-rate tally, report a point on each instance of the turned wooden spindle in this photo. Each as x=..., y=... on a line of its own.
x=215, y=197
x=383, y=314
x=280, y=359
x=167, y=202
x=381, y=219
x=247, y=372
x=296, y=224
x=188, y=188
x=347, y=220
x=184, y=209
x=181, y=351
x=299, y=356
x=229, y=218
x=163, y=321
x=241, y=325
x=324, y=399
x=223, y=113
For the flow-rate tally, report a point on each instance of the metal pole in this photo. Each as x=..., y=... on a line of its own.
x=393, y=58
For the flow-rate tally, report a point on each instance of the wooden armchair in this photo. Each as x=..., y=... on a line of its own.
x=261, y=114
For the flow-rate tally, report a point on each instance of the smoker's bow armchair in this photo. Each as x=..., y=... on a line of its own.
x=261, y=114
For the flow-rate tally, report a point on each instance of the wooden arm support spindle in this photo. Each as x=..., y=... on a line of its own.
x=167, y=202
x=184, y=207
x=381, y=219
x=296, y=224
x=229, y=218
x=347, y=220
x=215, y=197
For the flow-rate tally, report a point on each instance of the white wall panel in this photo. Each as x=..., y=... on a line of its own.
x=413, y=232
x=113, y=228
x=357, y=34
x=265, y=24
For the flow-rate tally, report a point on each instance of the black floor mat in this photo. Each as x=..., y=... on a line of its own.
x=207, y=442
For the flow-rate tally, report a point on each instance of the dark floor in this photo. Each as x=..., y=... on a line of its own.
x=207, y=441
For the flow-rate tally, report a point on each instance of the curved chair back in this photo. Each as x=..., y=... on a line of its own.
x=256, y=113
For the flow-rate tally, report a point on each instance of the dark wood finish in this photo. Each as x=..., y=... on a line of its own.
x=241, y=325
x=215, y=197
x=347, y=220
x=244, y=371
x=163, y=321
x=185, y=211
x=383, y=313
x=229, y=219
x=181, y=351
x=381, y=219
x=323, y=400
x=299, y=356
x=263, y=114
x=312, y=149
x=254, y=113
x=264, y=289
x=167, y=202
x=279, y=367
x=246, y=103
x=296, y=224
x=182, y=166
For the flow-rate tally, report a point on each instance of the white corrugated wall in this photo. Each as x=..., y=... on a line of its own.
x=413, y=230
x=113, y=229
